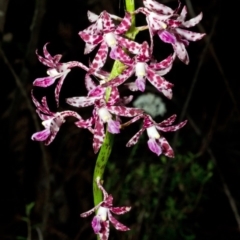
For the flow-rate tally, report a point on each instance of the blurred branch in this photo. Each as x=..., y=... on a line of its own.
x=214, y=55
x=39, y=232
x=3, y=10
x=226, y=189
x=21, y=89
x=35, y=28
x=195, y=78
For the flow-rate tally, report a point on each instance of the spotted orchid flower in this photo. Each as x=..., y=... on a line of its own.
x=56, y=71
x=139, y=65
x=105, y=33
x=168, y=25
x=104, y=110
x=104, y=210
x=157, y=143
x=51, y=121
x=155, y=18
x=95, y=92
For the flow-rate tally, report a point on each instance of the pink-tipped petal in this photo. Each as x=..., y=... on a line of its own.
x=41, y=136
x=96, y=224
x=141, y=84
x=114, y=126
x=154, y=146
x=44, y=82
x=113, y=53
x=167, y=37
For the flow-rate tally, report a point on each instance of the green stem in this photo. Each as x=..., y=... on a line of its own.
x=101, y=162
x=106, y=148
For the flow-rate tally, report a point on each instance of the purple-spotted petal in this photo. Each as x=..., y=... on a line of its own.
x=89, y=83
x=84, y=123
x=58, y=88
x=135, y=138
x=107, y=22
x=192, y=22
x=122, y=56
x=166, y=148
x=119, y=226
x=159, y=83
x=104, y=234
x=164, y=64
x=124, y=25
x=98, y=135
x=121, y=78
x=181, y=52
x=124, y=111
x=99, y=59
x=120, y=210
x=167, y=121
x=130, y=45
x=171, y=128
x=81, y=101
x=98, y=91
x=155, y=6
x=189, y=35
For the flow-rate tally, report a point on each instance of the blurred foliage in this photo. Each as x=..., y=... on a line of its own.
x=179, y=201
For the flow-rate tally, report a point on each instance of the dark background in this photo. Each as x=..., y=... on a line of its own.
x=58, y=177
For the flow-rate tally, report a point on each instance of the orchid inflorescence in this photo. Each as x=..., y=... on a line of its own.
x=108, y=107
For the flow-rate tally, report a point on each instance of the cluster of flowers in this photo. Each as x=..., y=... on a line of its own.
x=138, y=59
